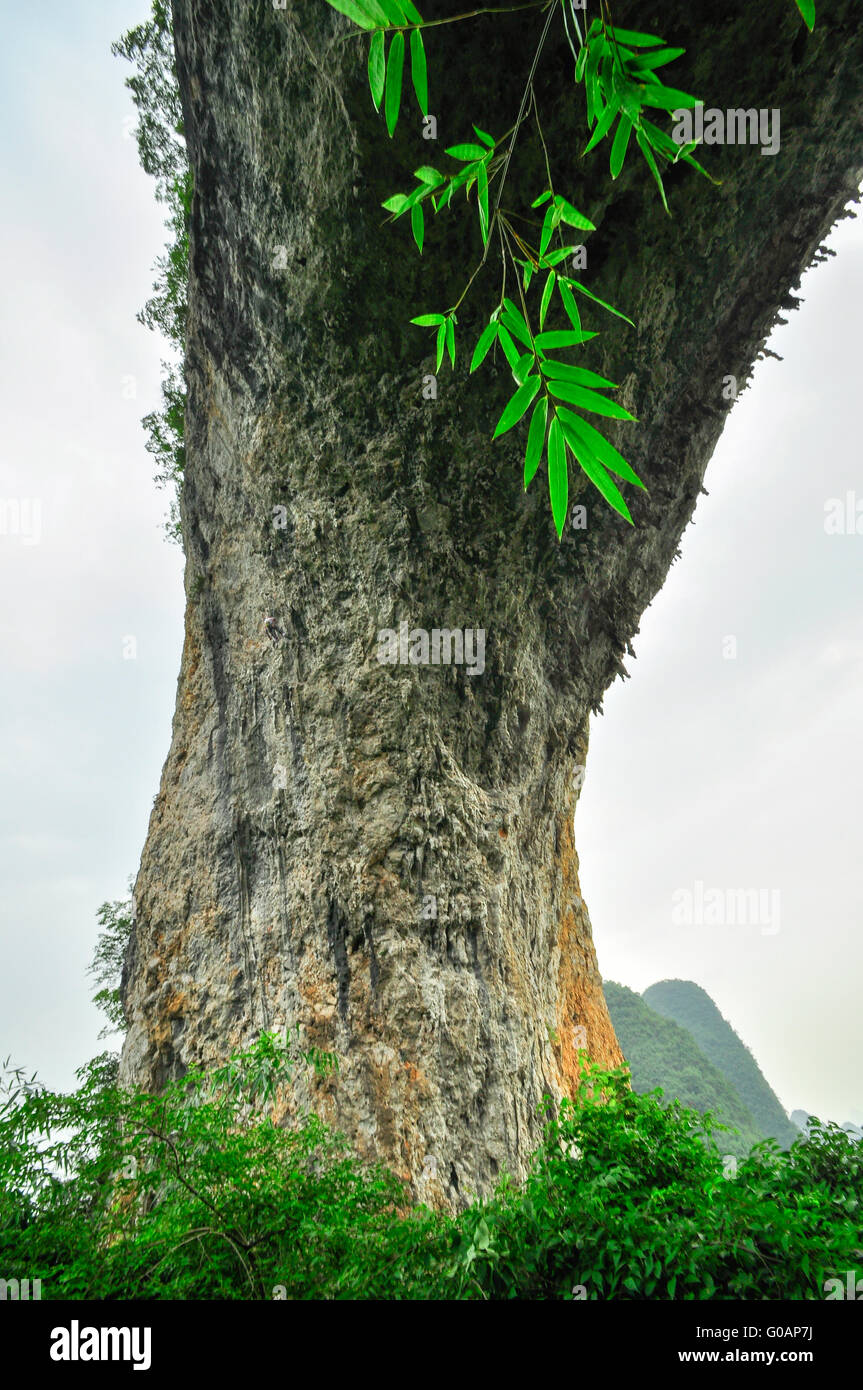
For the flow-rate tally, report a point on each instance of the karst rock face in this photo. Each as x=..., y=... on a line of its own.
x=380, y=853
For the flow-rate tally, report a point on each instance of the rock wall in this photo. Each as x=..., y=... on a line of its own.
x=384, y=854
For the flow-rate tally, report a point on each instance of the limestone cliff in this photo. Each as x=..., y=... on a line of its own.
x=317, y=807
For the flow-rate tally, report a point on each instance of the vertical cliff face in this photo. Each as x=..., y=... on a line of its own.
x=382, y=853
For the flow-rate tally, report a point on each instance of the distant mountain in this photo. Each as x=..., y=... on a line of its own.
x=662, y=1053
x=692, y=1008
x=801, y=1119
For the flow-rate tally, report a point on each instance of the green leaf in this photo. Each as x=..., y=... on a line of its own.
x=620, y=146
x=646, y=62
x=481, y=350
x=546, y=298
x=668, y=98
x=397, y=204
x=374, y=11
x=569, y=304
x=419, y=71
x=466, y=152
x=377, y=67
x=588, y=400
x=651, y=163
x=516, y=407
x=590, y=465
x=510, y=350
x=558, y=481
x=394, y=13
x=428, y=320
x=634, y=39
x=563, y=337
x=807, y=9
x=582, y=289
x=485, y=137
x=572, y=216
x=515, y=322
x=555, y=257
x=564, y=371
x=535, y=440
x=393, y=97
x=429, y=176
x=600, y=447
x=441, y=345
x=522, y=367
x=482, y=199
x=547, y=229
x=527, y=275
x=450, y=339
x=603, y=125
x=543, y=198
x=418, y=224
x=411, y=11
x=353, y=11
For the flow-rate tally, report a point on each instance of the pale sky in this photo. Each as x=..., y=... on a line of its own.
x=737, y=773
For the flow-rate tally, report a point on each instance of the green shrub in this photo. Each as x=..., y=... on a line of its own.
x=198, y=1193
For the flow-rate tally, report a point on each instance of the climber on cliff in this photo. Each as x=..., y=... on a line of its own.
x=274, y=632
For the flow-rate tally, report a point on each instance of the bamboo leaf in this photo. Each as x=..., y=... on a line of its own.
x=430, y=176
x=807, y=9
x=558, y=481
x=377, y=67
x=419, y=70
x=428, y=320
x=547, y=229
x=546, y=298
x=651, y=163
x=600, y=447
x=646, y=62
x=441, y=345
x=353, y=11
x=668, y=98
x=590, y=465
x=569, y=304
x=588, y=400
x=582, y=289
x=393, y=94
x=485, y=137
x=572, y=216
x=535, y=440
x=486, y=339
x=482, y=200
x=564, y=371
x=450, y=339
x=418, y=225
x=620, y=145
x=517, y=406
x=636, y=40
x=543, y=198
x=564, y=337
x=466, y=152
x=603, y=125
x=397, y=204
x=510, y=350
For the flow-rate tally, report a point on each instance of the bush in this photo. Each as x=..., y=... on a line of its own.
x=199, y=1193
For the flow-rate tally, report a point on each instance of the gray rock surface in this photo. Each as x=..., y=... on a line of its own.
x=314, y=801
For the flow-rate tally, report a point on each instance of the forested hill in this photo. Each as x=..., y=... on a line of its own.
x=662, y=1053
x=689, y=1005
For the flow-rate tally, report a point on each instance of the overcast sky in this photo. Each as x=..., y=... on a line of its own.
x=733, y=772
